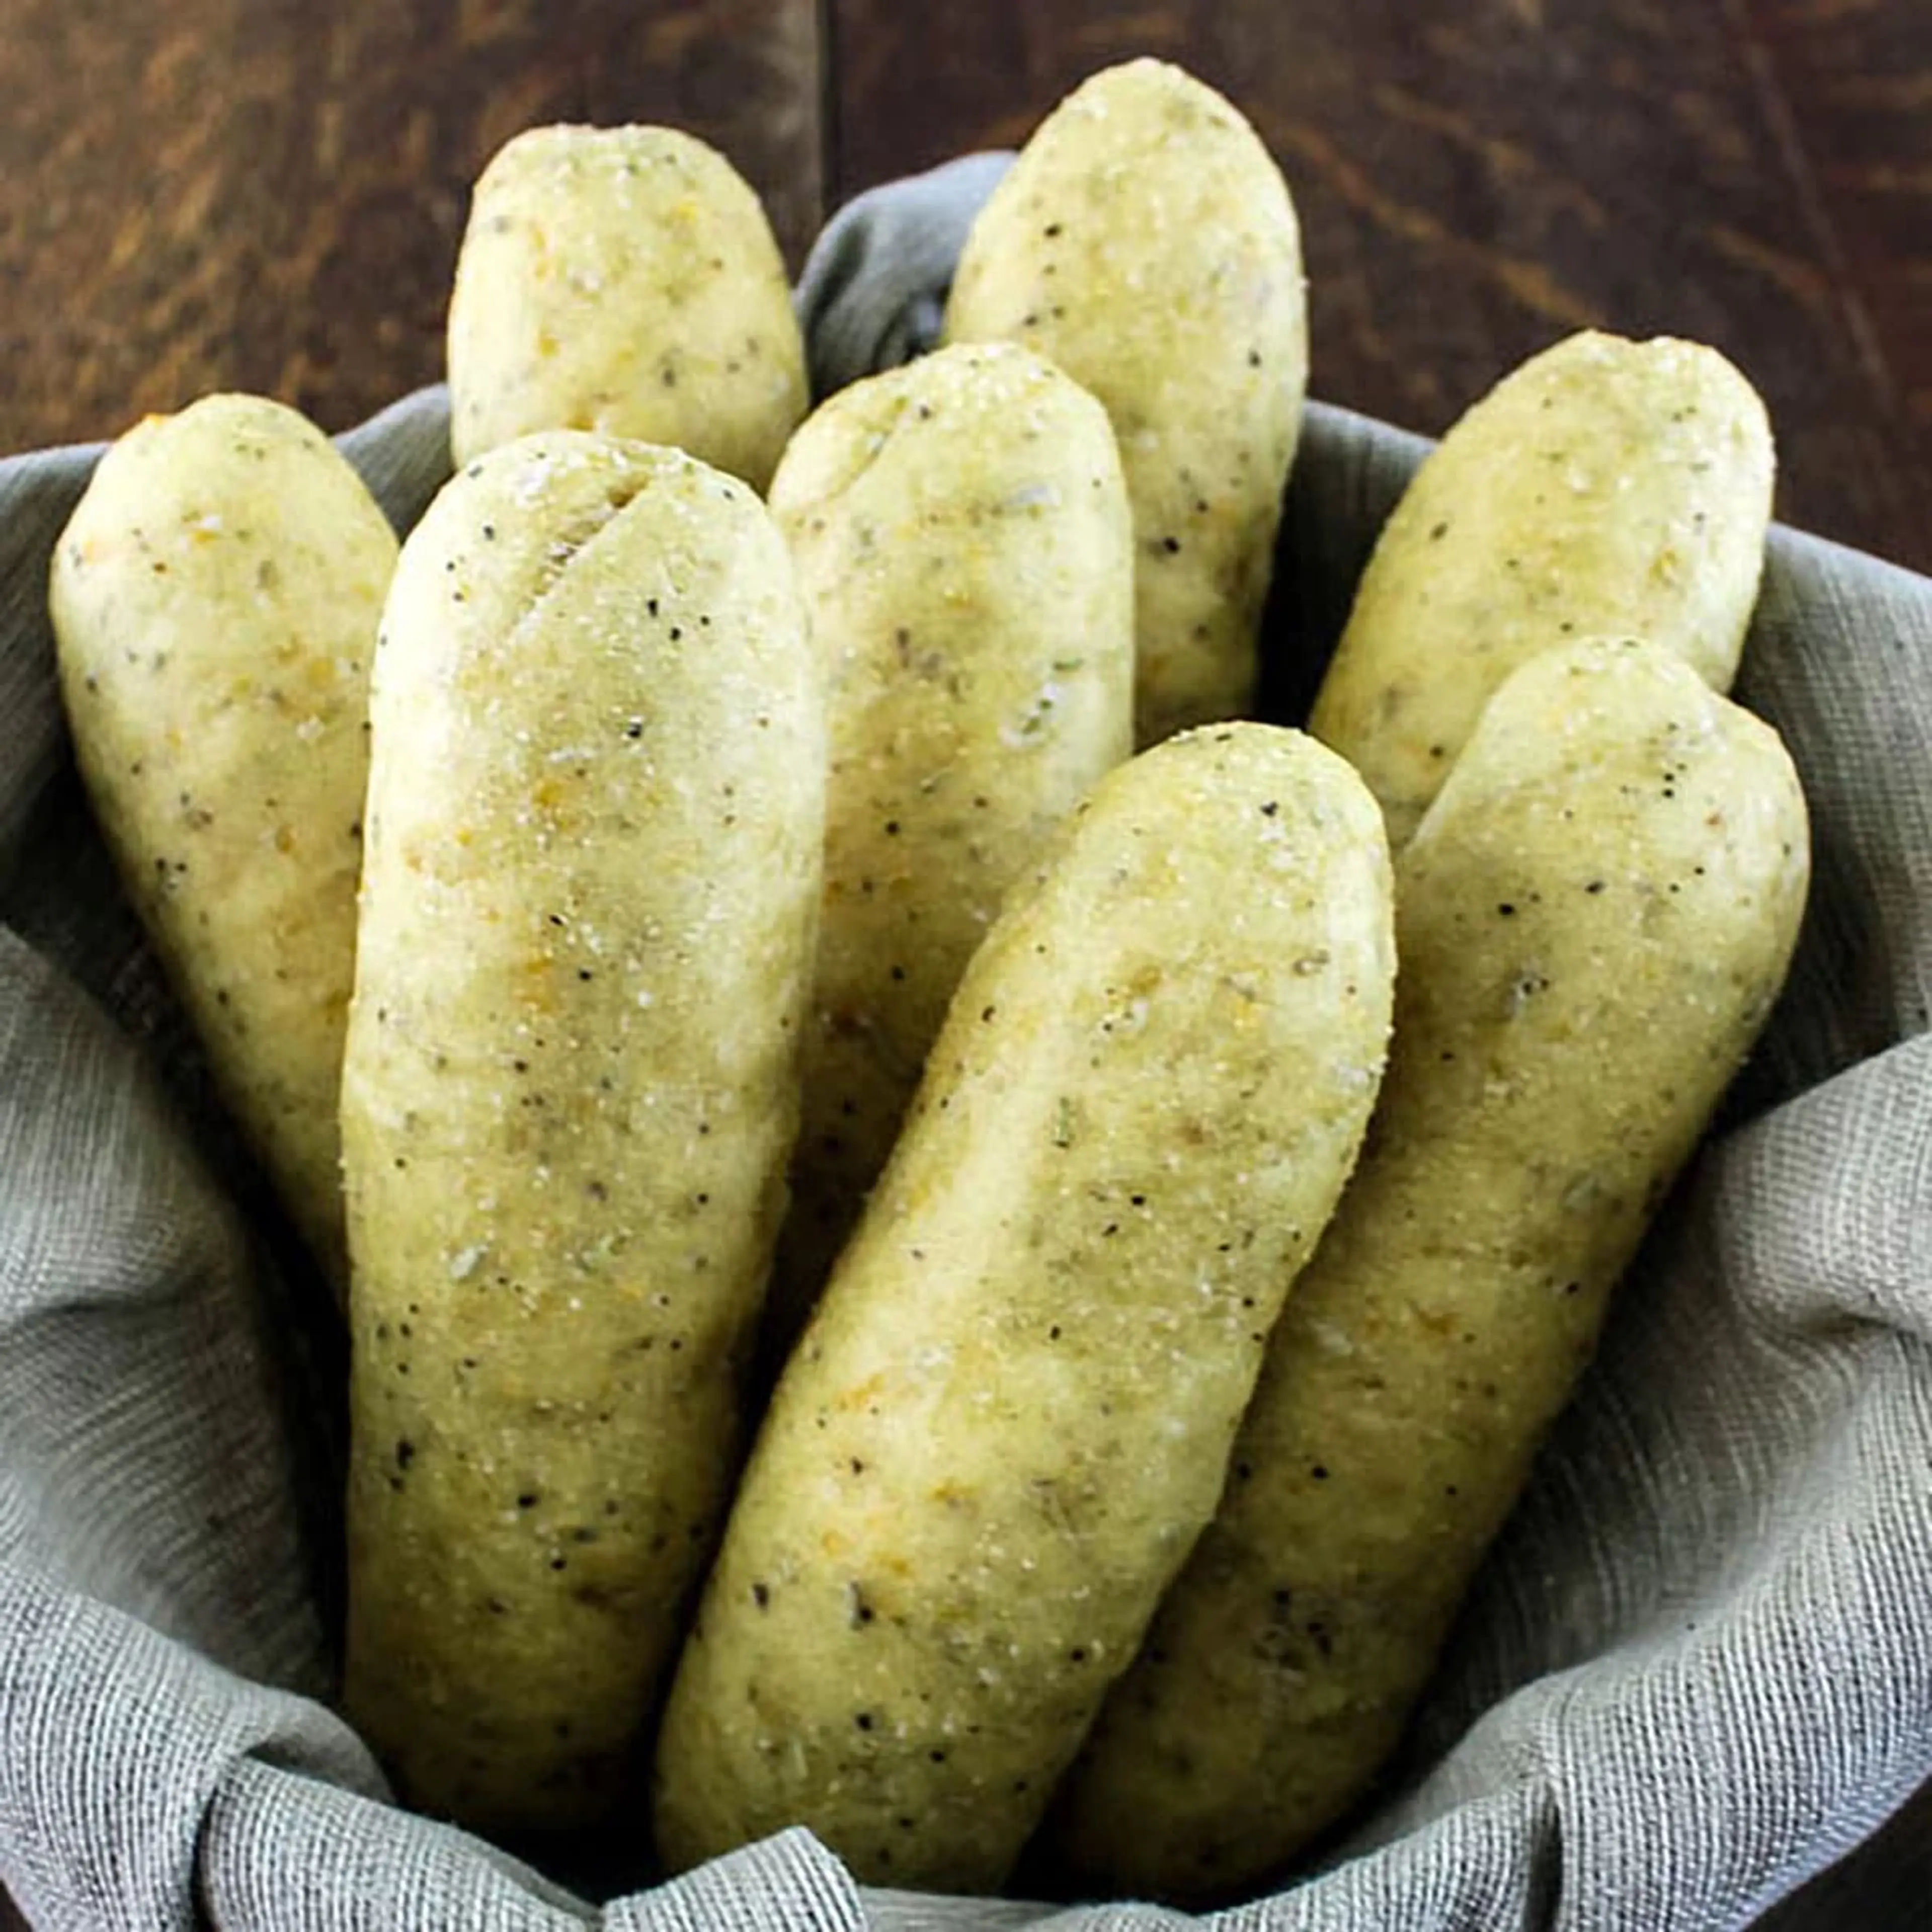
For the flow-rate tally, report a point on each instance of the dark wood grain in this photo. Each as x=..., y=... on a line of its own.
x=1853, y=82
x=268, y=194
x=1477, y=177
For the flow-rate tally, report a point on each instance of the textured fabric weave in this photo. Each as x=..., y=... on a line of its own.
x=1695, y=1674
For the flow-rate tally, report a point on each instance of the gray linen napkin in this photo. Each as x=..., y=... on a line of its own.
x=1695, y=1674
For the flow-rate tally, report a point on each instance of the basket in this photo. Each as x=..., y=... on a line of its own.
x=1696, y=1673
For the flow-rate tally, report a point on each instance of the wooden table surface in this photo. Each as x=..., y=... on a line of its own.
x=268, y=194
